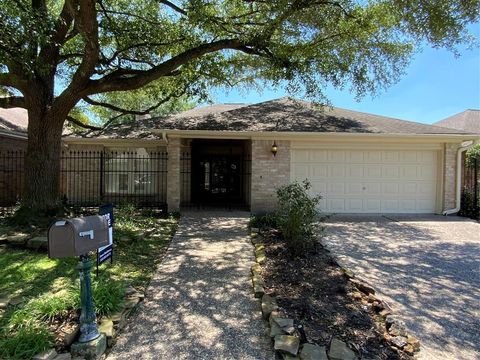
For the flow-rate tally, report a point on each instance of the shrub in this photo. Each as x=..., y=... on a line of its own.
x=109, y=296
x=297, y=216
x=44, y=308
x=266, y=221
x=25, y=342
x=472, y=156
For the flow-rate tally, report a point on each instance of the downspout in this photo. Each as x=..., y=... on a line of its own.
x=458, y=187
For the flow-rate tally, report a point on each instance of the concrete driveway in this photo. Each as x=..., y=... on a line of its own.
x=426, y=267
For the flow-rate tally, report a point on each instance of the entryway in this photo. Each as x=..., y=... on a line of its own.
x=216, y=173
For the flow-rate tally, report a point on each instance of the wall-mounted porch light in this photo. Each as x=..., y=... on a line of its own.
x=274, y=148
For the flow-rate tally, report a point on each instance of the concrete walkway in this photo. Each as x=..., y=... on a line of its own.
x=428, y=270
x=200, y=304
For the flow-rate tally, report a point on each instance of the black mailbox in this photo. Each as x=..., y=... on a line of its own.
x=77, y=236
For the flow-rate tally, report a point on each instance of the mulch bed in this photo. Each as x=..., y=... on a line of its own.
x=314, y=291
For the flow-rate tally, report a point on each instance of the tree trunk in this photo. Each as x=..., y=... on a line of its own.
x=42, y=161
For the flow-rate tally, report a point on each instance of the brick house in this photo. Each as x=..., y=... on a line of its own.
x=13, y=142
x=223, y=155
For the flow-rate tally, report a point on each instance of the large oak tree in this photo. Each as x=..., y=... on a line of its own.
x=56, y=54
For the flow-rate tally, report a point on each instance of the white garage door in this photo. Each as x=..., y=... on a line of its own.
x=369, y=181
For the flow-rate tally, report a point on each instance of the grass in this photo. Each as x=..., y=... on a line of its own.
x=49, y=288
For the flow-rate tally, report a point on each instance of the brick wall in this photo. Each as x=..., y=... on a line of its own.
x=268, y=173
x=12, y=144
x=80, y=180
x=449, y=180
x=173, y=179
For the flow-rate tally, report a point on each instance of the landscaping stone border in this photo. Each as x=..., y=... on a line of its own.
x=109, y=327
x=396, y=334
x=287, y=339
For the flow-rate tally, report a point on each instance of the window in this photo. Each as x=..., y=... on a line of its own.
x=130, y=172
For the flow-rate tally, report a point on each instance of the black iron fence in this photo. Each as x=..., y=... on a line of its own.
x=90, y=178
x=470, y=204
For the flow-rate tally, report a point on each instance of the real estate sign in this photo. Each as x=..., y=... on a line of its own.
x=106, y=252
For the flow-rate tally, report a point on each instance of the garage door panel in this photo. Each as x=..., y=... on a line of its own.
x=390, y=172
x=318, y=171
x=391, y=156
x=336, y=156
x=337, y=205
x=301, y=171
x=336, y=171
x=356, y=157
x=372, y=188
x=373, y=171
x=355, y=171
x=318, y=156
x=336, y=189
x=371, y=181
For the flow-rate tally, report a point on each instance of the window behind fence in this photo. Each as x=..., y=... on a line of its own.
x=89, y=178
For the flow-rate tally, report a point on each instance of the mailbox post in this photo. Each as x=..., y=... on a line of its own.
x=88, y=323
x=77, y=237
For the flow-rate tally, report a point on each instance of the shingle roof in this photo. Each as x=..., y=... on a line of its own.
x=283, y=115
x=468, y=120
x=14, y=119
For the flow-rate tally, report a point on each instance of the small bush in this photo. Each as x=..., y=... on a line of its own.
x=266, y=221
x=25, y=342
x=44, y=308
x=472, y=156
x=297, y=216
x=109, y=296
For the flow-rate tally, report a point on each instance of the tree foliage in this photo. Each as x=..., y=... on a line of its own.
x=121, y=45
x=55, y=55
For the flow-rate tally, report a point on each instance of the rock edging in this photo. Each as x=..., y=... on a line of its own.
x=396, y=333
x=287, y=339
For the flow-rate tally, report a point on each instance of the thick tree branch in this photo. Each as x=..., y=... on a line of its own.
x=74, y=121
x=133, y=112
x=117, y=81
x=12, y=101
x=8, y=79
x=173, y=7
x=87, y=24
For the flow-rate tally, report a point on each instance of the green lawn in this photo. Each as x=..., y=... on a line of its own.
x=48, y=289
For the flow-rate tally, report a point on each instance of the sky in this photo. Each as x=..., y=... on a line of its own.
x=435, y=86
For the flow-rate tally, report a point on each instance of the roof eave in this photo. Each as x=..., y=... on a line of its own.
x=14, y=134
x=283, y=135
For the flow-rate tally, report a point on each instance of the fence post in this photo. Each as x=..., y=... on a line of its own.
x=102, y=175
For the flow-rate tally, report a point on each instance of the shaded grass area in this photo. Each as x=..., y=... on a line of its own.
x=46, y=291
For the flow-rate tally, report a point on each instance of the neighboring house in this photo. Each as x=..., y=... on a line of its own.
x=13, y=129
x=222, y=154
x=468, y=120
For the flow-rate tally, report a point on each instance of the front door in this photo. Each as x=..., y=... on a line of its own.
x=216, y=179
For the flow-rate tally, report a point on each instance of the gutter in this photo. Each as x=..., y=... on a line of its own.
x=458, y=188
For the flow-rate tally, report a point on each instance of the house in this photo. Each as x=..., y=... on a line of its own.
x=223, y=154
x=468, y=120
x=13, y=129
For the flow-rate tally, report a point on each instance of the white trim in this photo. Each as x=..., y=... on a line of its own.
x=116, y=142
x=14, y=134
x=279, y=135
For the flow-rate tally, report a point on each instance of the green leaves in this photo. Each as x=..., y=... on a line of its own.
x=311, y=44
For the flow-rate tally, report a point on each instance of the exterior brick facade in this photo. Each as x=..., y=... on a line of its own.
x=173, y=170
x=268, y=173
x=8, y=143
x=449, y=176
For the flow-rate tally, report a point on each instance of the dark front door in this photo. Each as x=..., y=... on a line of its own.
x=217, y=179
